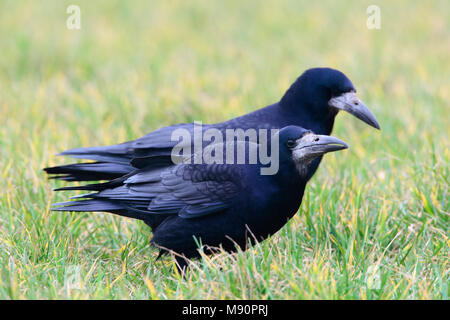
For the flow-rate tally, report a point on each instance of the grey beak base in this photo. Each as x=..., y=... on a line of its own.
x=313, y=145
x=350, y=102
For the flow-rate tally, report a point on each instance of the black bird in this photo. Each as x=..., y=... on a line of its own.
x=311, y=102
x=219, y=205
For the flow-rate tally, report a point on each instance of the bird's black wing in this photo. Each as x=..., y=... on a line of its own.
x=189, y=190
x=155, y=143
x=186, y=190
x=116, y=160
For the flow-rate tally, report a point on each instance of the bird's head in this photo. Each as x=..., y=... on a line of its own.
x=302, y=146
x=322, y=92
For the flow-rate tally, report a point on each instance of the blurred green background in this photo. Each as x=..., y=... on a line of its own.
x=374, y=220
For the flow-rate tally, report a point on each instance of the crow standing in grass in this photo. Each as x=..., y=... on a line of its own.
x=311, y=102
x=220, y=205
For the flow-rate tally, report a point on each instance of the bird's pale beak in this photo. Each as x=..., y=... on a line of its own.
x=350, y=102
x=313, y=145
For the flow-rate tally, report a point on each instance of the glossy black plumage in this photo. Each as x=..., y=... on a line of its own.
x=221, y=205
x=306, y=103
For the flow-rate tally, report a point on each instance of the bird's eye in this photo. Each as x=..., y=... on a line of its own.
x=290, y=143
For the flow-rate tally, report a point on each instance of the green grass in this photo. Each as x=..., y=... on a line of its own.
x=374, y=222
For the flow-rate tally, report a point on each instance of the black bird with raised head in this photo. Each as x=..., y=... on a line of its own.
x=311, y=102
x=217, y=204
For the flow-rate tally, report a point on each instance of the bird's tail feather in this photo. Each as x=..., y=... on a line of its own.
x=99, y=186
x=100, y=205
x=89, y=171
x=115, y=153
